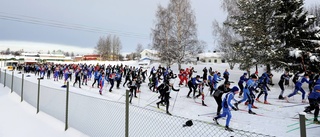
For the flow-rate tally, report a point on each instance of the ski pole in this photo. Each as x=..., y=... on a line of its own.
x=207, y=114
x=175, y=101
x=208, y=91
x=151, y=102
x=122, y=95
x=151, y=97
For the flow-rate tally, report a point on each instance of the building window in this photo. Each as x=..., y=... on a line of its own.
x=223, y=61
x=209, y=61
x=215, y=61
x=146, y=54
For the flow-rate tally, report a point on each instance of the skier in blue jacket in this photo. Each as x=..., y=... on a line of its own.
x=242, y=79
x=226, y=105
x=314, y=100
x=248, y=93
x=263, y=84
x=192, y=84
x=298, y=87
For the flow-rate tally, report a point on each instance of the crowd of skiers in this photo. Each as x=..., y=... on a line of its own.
x=159, y=81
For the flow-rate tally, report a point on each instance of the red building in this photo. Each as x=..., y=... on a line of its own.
x=91, y=57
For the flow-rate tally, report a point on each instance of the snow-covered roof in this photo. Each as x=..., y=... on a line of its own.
x=150, y=51
x=210, y=55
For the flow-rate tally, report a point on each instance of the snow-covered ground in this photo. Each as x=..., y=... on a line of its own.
x=277, y=119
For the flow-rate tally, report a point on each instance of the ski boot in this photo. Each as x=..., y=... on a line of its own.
x=228, y=129
x=236, y=105
x=203, y=103
x=216, y=120
x=251, y=112
x=281, y=97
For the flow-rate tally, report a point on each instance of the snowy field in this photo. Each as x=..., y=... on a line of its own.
x=277, y=119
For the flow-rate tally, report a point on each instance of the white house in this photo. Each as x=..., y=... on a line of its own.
x=211, y=57
x=148, y=54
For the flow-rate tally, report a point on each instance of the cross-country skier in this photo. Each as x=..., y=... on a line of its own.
x=97, y=76
x=263, y=84
x=133, y=88
x=112, y=77
x=77, y=74
x=224, y=88
x=165, y=90
x=101, y=81
x=248, y=93
x=201, y=93
x=56, y=74
x=192, y=84
x=85, y=77
x=242, y=79
x=314, y=100
x=298, y=87
x=284, y=77
x=226, y=76
x=226, y=103
x=205, y=75
x=183, y=76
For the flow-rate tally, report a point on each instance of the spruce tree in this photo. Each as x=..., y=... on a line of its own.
x=295, y=31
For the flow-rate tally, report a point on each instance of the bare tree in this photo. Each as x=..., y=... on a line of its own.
x=139, y=49
x=225, y=38
x=103, y=47
x=175, y=33
x=225, y=35
x=116, y=47
x=160, y=34
x=7, y=52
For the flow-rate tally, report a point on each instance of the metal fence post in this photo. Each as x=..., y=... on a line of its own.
x=127, y=114
x=67, y=107
x=38, y=99
x=22, y=87
x=302, y=119
x=5, y=77
x=12, y=81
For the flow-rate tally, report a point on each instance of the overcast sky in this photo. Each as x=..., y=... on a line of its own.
x=80, y=23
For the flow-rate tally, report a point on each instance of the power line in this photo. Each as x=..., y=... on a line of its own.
x=64, y=25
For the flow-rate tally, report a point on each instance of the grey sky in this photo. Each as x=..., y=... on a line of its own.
x=131, y=20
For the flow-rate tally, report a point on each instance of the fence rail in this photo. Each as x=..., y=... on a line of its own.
x=99, y=117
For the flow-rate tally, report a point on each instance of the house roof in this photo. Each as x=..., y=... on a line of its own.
x=151, y=51
x=210, y=55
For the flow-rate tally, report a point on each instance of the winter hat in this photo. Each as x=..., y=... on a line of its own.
x=253, y=76
x=189, y=123
x=234, y=89
x=245, y=73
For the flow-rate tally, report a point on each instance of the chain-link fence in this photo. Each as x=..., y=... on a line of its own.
x=95, y=116
x=145, y=122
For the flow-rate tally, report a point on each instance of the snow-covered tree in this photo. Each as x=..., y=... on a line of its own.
x=296, y=33
x=253, y=22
